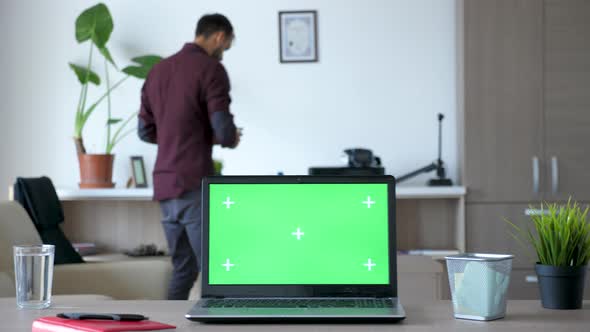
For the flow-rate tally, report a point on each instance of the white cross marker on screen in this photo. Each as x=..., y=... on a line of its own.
x=370, y=265
x=299, y=233
x=228, y=203
x=227, y=265
x=369, y=202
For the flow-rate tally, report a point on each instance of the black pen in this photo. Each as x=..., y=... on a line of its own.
x=85, y=315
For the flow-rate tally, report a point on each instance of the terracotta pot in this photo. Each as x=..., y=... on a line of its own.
x=96, y=170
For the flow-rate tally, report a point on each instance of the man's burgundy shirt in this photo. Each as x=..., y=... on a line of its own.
x=179, y=97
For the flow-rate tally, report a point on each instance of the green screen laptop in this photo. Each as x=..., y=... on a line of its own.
x=298, y=248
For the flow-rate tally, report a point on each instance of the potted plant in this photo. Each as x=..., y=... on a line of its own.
x=95, y=24
x=562, y=244
x=217, y=166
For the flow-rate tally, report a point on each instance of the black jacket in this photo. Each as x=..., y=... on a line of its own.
x=38, y=197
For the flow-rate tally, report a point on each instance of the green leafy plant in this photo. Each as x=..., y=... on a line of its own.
x=95, y=24
x=562, y=235
x=140, y=70
x=217, y=166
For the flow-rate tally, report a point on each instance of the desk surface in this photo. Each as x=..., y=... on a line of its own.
x=145, y=194
x=521, y=316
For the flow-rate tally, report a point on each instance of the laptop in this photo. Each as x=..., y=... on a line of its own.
x=298, y=248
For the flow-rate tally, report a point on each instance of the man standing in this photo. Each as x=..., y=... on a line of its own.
x=185, y=111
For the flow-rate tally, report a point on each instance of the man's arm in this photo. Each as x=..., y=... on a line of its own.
x=217, y=90
x=146, y=125
x=146, y=133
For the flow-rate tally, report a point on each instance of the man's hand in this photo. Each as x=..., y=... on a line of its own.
x=237, y=141
x=225, y=132
x=238, y=138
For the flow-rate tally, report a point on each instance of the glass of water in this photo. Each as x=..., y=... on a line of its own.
x=33, y=272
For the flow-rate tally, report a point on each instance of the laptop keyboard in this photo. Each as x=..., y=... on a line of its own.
x=298, y=303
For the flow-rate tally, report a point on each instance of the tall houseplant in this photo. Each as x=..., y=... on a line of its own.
x=562, y=243
x=95, y=24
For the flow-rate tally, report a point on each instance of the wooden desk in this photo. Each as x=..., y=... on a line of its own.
x=522, y=316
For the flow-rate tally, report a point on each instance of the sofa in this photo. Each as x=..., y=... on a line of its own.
x=128, y=279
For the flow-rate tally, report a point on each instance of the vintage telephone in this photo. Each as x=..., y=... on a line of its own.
x=360, y=162
x=361, y=158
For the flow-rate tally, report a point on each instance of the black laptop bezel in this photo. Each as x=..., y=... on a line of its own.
x=236, y=291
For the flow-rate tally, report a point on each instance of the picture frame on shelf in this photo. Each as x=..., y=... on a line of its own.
x=298, y=37
x=138, y=172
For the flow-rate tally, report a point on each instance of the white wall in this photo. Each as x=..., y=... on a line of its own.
x=386, y=68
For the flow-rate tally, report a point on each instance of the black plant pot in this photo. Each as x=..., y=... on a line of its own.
x=561, y=287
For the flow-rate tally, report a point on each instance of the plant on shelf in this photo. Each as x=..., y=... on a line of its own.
x=562, y=243
x=95, y=24
x=217, y=166
x=141, y=70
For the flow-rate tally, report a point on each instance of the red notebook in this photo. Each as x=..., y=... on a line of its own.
x=56, y=324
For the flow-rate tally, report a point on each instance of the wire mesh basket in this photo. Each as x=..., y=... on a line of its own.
x=479, y=283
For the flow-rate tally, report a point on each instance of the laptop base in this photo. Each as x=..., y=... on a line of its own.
x=298, y=320
x=296, y=315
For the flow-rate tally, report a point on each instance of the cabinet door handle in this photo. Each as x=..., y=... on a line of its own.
x=554, y=175
x=536, y=174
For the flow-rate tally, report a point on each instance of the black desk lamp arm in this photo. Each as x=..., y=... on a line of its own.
x=424, y=169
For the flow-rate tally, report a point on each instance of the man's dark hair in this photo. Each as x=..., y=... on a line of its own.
x=212, y=23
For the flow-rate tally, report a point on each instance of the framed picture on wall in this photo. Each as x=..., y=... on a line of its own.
x=298, y=38
x=138, y=172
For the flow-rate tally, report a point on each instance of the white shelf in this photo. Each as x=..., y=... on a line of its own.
x=145, y=194
x=430, y=192
x=115, y=194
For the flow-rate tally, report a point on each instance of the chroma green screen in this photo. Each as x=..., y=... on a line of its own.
x=286, y=234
